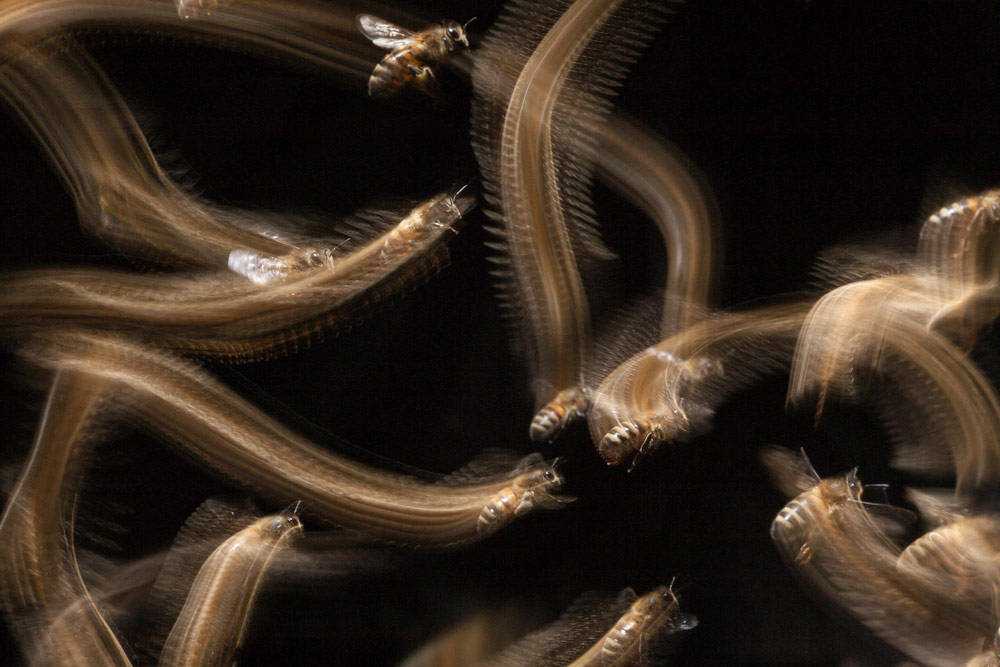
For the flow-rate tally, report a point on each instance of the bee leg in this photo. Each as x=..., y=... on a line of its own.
x=424, y=72
x=526, y=505
x=645, y=449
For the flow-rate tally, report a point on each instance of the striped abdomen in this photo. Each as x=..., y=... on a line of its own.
x=553, y=417
x=499, y=511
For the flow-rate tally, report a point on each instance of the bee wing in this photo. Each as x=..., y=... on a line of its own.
x=383, y=34
x=626, y=597
x=528, y=462
x=491, y=463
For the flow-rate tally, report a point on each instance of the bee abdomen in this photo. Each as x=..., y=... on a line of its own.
x=621, y=637
x=558, y=412
x=790, y=530
x=384, y=80
x=622, y=440
x=497, y=513
x=548, y=422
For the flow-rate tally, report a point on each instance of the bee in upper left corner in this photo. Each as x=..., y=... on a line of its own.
x=413, y=56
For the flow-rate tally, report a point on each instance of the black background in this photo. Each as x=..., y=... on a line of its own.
x=814, y=123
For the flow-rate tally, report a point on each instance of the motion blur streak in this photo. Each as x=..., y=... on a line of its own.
x=535, y=164
x=225, y=315
x=831, y=538
x=214, y=619
x=43, y=591
x=192, y=410
x=662, y=182
x=318, y=33
x=669, y=391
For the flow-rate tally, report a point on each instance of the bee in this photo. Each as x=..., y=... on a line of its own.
x=958, y=245
x=633, y=437
x=657, y=611
x=553, y=417
x=639, y=437
x=432, y=214
x=215, y=617
x=533, y=487
x=262, y=268
x=413, y=56
x=792, y=529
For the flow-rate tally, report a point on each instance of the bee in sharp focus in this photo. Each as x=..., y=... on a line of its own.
x=413, y=56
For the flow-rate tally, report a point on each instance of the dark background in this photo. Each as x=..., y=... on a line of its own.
x=814, y=123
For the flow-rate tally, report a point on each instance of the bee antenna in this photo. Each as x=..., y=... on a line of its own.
x=809, y=464
x=677, y=591
x=462, y=189
x=297, y=507
x=468, y=22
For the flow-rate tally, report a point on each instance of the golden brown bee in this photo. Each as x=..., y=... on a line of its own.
x=638, y=438
x=554, y=415
x=654, y=613
x=533, y=487
x=430, y=215
x=413, y=56
x=808, y=511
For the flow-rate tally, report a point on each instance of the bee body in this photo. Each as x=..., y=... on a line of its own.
x=263, y=269
x=792, y=528
x=499, y=511
x=652, y=614
x=637, y=438
x=621, y=637
x=986, y=205
x=532, y=487
x=430, y=215
x=413, y=56
x=553, y=417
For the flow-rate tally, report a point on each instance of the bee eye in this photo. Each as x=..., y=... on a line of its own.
x=549, y=475
x=453, y=33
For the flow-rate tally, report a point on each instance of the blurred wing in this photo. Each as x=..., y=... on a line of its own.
x=383, y=34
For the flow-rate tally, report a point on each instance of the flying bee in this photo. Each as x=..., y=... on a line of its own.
x=657, y=612
x=637, y=438
x=557, y=413
x=262, y=269
x=808, y=512
x=533, y=487
x=413, y=56
x=433, y=214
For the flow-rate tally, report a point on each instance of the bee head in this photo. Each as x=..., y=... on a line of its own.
x=316, y=257
x=659, y=598
x=838, y=490
x=283, y=522
x=454, y=34
x=544, y=478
